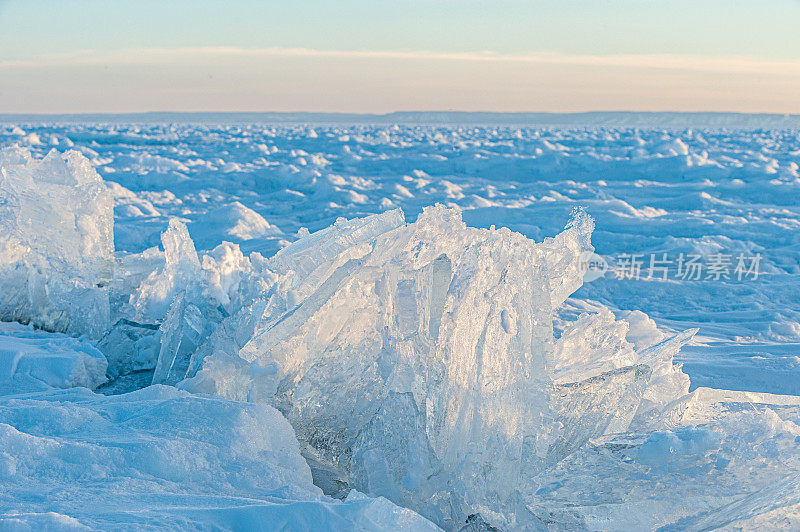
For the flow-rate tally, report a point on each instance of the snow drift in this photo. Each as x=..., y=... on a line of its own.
x=31, y=361
x=164, y=459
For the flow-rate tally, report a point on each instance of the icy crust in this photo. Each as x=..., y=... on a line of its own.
x=56, y=242
x=418, y=361
x=720, y=459
x=160, y=458
x=31, y=361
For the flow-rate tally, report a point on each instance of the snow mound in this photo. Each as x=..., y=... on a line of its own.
x=56, y=242
x=159, y=458
x=233, y=222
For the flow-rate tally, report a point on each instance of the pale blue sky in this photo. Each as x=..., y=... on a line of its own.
x=682, y=55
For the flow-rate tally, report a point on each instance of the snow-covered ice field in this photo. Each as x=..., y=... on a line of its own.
x=651, y=192
x=408, y=356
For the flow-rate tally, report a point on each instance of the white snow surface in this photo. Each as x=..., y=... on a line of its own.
x=300, y=288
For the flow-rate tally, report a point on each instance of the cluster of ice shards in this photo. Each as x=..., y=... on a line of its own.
x=160, y=458
x=189, y=298
x=417, y=361
x=56, y=242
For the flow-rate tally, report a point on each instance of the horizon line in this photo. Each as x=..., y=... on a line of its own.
x=406, y=112
x=733, y=120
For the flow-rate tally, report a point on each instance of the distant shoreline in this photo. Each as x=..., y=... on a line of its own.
x=618, y=119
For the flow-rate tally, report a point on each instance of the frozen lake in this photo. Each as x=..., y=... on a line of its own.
x=422, y=314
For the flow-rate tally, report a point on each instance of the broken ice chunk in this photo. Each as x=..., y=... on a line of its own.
x=601, y=404
x=456, y=320
x=392, y=458
x=419, y=360
x=591, y=345
x=224, y=271
x=130, y=346
x=182, y=332
x=320, y=248
x=56, y=243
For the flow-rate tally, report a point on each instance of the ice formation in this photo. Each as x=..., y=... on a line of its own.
x=418, y=360
x=190, y=298
x=180, y=272
x=56, y=242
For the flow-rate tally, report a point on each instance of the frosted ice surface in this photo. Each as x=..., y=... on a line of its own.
x=32, y=360
x=56, y=242
x=160, y=458
x=130, y=346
